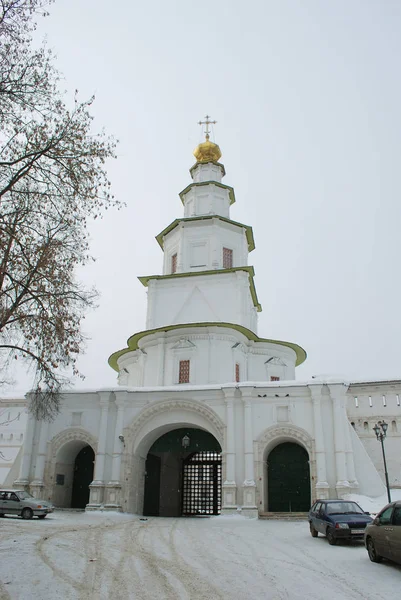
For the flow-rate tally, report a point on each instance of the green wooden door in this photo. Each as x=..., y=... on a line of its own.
x=288, y=478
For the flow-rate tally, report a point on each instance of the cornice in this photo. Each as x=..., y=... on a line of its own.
x=176, y=222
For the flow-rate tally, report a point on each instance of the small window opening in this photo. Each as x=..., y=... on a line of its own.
x=227, y=258
x=184, y=372
x=394, y=426
x=174, y=263
x=353, y=424
x=366, y=426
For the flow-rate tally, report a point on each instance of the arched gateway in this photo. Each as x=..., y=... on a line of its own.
x=286, y=469
x=71, y=468
x=183, y=474
x=288, y=478
x=158, y=461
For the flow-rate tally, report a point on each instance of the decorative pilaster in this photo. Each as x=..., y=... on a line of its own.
x=350, y=456
x=113, y=488
x=229, y=486
x=249, y=485
x=37, y=485
x=337, y=393
x=97, y=485
x=321, y=486
x=25, y=468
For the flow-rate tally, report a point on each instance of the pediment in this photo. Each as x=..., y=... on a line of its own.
x=183, y=343
x=275, y=360
x=196, y=308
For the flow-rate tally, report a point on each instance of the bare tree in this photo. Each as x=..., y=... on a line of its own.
x=52, y=181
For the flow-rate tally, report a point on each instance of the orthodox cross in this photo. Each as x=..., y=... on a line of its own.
x=207, y=122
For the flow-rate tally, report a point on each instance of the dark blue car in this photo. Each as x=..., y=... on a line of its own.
x=338, y=520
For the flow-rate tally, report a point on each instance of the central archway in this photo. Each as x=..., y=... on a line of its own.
x=288, y=478
x=183, y=474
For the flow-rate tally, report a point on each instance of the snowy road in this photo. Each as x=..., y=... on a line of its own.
x=97, y=557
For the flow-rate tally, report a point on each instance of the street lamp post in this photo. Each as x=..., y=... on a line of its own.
x=380, y=430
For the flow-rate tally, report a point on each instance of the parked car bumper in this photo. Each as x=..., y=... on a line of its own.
x=349, y=534
x=42, y=511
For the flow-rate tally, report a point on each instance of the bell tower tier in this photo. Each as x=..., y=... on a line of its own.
x=202, y=315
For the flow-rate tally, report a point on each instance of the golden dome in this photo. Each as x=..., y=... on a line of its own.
x=207, y=152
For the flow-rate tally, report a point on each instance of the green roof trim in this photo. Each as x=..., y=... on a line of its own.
x=231, y=193
x=173, y=225
x=133, y=341
x=250, y=270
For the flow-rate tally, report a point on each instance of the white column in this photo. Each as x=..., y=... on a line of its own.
x=229, y=486
x=350, y=456
x=25, y=468
x=248, y=443
x=230, y=448
x=101, y=445
x=322, y=487
x=41, y=455
x=118, y=447
x=337, y=393
x=249, y=486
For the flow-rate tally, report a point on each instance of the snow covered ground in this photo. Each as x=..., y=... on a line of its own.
x=91, y=556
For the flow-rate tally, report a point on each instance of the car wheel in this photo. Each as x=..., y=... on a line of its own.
x=41, y=516
x=374, y=557
x=313, y=531
x=27, y=513
x=331, y=538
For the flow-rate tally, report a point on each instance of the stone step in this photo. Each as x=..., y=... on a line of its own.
x=284, y=516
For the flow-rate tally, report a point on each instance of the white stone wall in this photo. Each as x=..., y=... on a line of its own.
x=248, y=419
x=13, y=419
x=369, y=403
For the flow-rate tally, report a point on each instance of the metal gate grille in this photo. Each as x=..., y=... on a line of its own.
x=202, y=484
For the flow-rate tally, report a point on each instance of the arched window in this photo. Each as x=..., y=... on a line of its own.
x=366, y=426
x=353, y=424
x=394, y=426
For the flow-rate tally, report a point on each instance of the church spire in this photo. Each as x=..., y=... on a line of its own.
x=207, y=151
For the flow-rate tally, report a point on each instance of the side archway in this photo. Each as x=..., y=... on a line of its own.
x=267, y=442
x=148, y=426
x=69, y=468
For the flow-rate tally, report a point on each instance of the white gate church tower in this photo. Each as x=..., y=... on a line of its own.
x=207, y=416
x=206, y=296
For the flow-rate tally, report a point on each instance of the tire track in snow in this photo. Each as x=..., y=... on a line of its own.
x=90, y=546
x=175, y=578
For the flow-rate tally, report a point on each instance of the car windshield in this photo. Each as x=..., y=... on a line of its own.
x=24, y=495
x=344, y=508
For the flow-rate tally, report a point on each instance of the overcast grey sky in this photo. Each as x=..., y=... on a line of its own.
x=307, y=97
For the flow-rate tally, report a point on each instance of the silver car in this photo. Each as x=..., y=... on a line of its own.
x=19, y=502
